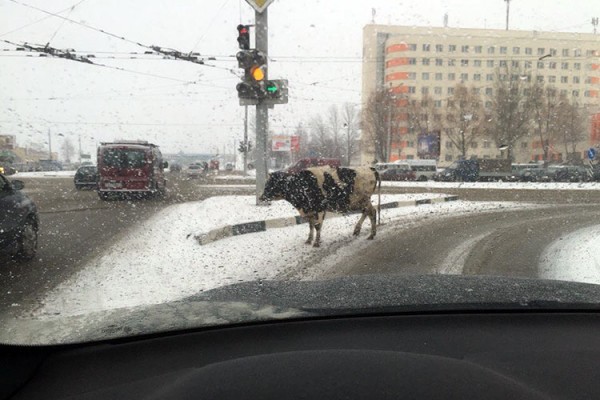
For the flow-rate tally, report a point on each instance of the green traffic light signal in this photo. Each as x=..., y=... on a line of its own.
x=272, y=88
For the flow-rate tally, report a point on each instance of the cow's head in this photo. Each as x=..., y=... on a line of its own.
x=275, y=186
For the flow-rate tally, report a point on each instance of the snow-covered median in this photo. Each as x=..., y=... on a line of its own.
x=160, y=260
x=44, y=174
x=574, y=257
x=498, y=185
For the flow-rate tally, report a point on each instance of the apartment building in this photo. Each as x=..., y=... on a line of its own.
x=415, y=61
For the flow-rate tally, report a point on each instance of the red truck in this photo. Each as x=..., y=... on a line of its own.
x=130, y=167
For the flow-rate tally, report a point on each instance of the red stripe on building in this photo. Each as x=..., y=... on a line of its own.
x=594, y=93
x=595, y=66
x=595, y=79
x=396, y=76
x=396, y=48
x=396, y=61
x=399, y=89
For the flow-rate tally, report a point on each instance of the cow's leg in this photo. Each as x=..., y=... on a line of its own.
x=373, y=217
x=360, y=222
x=311, y=223
x=318, y=226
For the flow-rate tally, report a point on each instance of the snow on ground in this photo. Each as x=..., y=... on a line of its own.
x=160, y=261
x=499, y=185
x=574, y=257
x=44, y=174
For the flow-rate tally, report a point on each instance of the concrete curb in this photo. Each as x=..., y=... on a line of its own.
x=261, y=226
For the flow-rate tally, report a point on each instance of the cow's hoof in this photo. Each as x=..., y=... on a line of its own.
x=317, y=244
x=356, y=232
x=371, y=237
x=308, y=242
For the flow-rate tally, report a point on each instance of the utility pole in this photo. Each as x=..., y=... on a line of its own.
x=49, y=145
x=245, y=140
x=262, y=110
x=595, y=23
x=507, y=12
x=79, y=149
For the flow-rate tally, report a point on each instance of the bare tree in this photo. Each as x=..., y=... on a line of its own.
x=350, y=123
x=571, y=127
x=303, y=139
x=334, y=125
x=423, y=116
x=511, y=108
x=321, y=140
x=546, y=104
x=67, y=149
x=465, y=118
x=378, y=122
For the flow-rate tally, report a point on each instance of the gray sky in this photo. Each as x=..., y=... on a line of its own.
x=316, y=45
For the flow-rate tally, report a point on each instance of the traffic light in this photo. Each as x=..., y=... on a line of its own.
x=254, y=64
x=243, y=37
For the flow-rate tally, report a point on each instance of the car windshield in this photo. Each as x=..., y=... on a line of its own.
x=182, y=164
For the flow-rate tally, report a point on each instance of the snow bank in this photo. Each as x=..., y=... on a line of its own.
x=498, y=185
x=574, y=257
x=44, y=174
x=160, y=260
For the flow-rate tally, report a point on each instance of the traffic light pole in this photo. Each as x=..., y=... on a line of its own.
x=262, y=110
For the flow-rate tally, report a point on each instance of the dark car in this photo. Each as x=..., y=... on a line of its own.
x=19, y=221
x=86, y=177
x=534, y=175
x=571, y=173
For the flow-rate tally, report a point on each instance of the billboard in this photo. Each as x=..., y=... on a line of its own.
x=428, y=144
x=296, y=143
x=281, y=143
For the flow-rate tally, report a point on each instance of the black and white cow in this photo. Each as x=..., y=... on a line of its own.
x=315, y=191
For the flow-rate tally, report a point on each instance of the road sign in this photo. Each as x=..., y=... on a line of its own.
x=259, y=5
x=591, y=153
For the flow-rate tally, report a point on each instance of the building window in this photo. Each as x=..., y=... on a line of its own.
x=551, y=79
x=448, y=145
x=424, y=90
x=412, y=61
x=575, y=79
x=464, y=48
x=564, y=65
x=488, y=104
x=437, y=90
x=490, y=63
x=486, y=144
x=515, y=64
x=474, y=145
x=478, y=49
x=448, y=157
x=476, y=90
x=451, y=76
x=491, y=50
x=565, y=52
x=540, y=65
x=577, y=65
x=524, y=145
x=438, y=76
x=489, y=91
x=437, y=104
x=426, y=47
x=464, y=63
x=425, y=76
x=477, y=63
x=464, y=77
x=577, y=52
x=503, y=63
x=564, y=92
x=540, y=78
x=412, y=75
x=439, y=62
x=553, y=52
x=411, y=89
x=489, y=77
x=586, y=93
x=516, y=50
x=412, y=46
x=477, y=77
x=575, y=93
x=590, y=53
x=451, y=48
x=451, y=62
x=541, y=51
x=552, y=65
x=426, y=61
x=527, y=64
x=439, y=48
x=564, y=79
x=450, y=91
x=503, y=50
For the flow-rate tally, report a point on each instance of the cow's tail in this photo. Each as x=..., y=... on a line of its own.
x=378, y=183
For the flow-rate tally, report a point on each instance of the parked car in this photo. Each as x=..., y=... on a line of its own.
x=534, y=175
x=571, y=173
x=86, y=177
x=197, y=170
x=399, y=172
x=19, y=221
x=313, y=162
